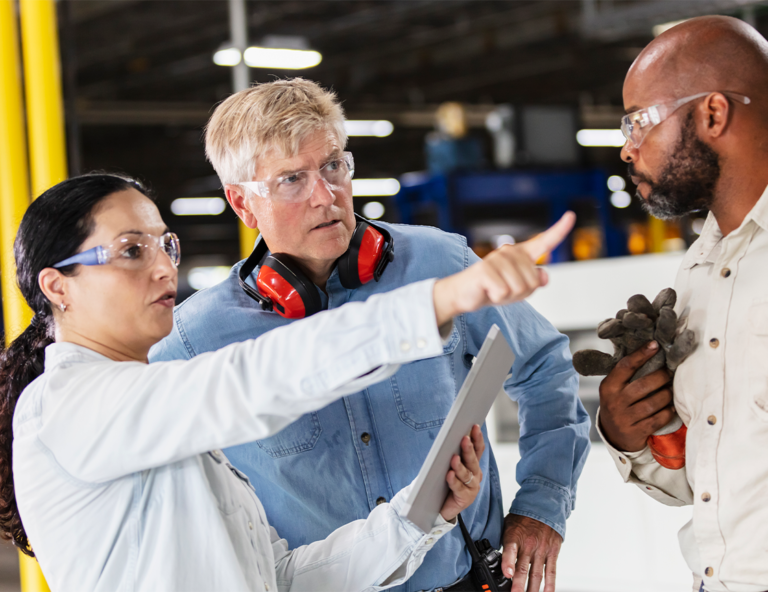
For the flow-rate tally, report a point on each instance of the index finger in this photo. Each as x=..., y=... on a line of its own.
x=548, y=240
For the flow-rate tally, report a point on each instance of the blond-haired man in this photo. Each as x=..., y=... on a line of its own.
x=279, y=151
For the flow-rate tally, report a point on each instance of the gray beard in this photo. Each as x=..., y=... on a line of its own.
x=687, y=183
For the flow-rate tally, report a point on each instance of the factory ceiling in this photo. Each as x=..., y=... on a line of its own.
x=140, y=82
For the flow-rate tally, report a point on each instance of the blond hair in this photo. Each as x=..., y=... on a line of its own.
x=275, y=115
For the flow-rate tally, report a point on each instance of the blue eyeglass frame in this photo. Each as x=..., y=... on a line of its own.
x=95, y=256
x=99, y=255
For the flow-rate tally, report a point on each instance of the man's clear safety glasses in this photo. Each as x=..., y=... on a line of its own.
x=133, y=252
x=636, y=125
x=298, y=186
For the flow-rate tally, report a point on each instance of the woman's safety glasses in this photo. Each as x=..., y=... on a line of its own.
x=298, y=186
x=635, y=126
x=134, y=251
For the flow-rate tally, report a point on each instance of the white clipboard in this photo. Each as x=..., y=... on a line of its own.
x=477, y=394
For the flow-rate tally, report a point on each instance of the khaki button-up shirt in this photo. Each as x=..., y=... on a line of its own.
x=721, y=393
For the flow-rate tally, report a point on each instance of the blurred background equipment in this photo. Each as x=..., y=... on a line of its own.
x=486, y=118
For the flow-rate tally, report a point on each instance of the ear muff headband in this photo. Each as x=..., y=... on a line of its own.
x=282, y=286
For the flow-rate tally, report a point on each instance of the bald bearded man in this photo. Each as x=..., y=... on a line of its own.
x=697, y=138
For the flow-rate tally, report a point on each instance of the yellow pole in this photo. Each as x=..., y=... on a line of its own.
x=42, y=76
x=657, y=232
x=248, y=238
x=45, y=128
x=14, y=184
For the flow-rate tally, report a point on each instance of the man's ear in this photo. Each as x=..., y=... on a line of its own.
x=241, y=204
x=717, y=111
x=54, y=285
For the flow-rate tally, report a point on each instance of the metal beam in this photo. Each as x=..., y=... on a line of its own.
x=639, y=18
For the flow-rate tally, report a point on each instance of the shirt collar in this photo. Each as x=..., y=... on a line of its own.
x=63, y=352
x=702, y=251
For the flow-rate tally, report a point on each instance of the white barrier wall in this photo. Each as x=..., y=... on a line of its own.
x=583, y=293
x=618, y=539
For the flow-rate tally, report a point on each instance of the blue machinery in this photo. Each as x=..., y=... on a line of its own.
x=450, y=195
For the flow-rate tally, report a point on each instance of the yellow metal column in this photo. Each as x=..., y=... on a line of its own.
x=45, y=128
x=14, y=182
x=657, y=232
x=248, y=238
x=42, y=77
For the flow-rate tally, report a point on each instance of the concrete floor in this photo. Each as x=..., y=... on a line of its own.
x=618, y=539
x=9, y=568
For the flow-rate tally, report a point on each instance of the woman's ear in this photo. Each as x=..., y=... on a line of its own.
x=54, y=285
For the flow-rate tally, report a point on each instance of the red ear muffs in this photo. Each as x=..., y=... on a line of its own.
x=358, y=265
x=282, y=286
x=291, y=293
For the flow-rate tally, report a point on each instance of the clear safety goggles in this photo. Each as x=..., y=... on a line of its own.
x=298, y=186
x=636, y=125
x=133, y=252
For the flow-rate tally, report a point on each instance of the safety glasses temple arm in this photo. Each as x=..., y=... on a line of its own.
x=94, y=256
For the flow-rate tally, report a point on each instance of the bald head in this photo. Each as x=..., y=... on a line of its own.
x=703, y=54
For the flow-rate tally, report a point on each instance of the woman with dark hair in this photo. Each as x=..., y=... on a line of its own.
x=105, y=469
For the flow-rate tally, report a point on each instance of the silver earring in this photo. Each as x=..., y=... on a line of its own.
x=62, y=307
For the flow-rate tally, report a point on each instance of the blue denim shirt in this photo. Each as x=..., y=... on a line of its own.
x=333, y=466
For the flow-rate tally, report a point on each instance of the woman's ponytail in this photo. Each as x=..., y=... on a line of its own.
x=53, y=228
x=20, y=364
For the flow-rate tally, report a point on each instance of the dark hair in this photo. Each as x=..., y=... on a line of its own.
x=53, y=228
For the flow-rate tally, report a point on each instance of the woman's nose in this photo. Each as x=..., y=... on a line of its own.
x=164, y=268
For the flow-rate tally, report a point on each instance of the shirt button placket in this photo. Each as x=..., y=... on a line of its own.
x=706, y=511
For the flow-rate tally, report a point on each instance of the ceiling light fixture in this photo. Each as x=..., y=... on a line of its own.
x=616, y=183
x=198, y=206
x=620, y=199
x=281, y=59
x=600, y=137
x=364, y=127
x=659, y=29
x=200, y=278
x=373, y=210
x=227, y=55
x=374, y=187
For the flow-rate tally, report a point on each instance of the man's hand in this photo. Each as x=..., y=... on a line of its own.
x=530, y=553
x=632, y=411
x=506, y=275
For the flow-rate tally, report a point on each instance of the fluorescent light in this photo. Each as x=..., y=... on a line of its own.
x=374, y=187
x=659, y=29
x=281, y=59
x=616, y=183
x=600, y=137
x=227, y=56
x=373, y=210
x=362, y=127
x=503, y=239
x=205, y=277
x=620, y=199
x=198, y=206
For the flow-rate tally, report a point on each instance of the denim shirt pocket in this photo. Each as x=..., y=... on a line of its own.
x=424, y=391
x=300, y=436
